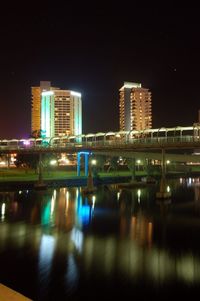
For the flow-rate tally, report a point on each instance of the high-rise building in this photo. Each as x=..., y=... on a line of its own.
x=56, y=112
x=61, y=113
x=134, y=107
x=36, y=104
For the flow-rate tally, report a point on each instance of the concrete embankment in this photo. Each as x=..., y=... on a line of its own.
x=8, y=294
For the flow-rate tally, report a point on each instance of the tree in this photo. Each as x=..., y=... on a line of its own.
x=131, y=166
x=27, y=160
x=32, y=160
x=37, y=134
x=113, y=164
x=100, y=161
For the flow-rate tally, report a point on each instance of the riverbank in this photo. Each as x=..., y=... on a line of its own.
x=79, y=181
x=17, y=179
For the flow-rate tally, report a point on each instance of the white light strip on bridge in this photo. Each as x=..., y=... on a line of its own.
x=128, y=133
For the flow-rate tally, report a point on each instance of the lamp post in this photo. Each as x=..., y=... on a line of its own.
x=138, y=163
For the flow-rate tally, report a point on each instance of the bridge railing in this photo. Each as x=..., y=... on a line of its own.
x=111, y=142
x=154, y=140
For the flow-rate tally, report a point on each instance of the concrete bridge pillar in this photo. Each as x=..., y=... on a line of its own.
x=86, y=161
x=40, y=176
x=133, y=170
x=163, y=193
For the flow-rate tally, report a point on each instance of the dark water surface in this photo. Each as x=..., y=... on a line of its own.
x=62, y=245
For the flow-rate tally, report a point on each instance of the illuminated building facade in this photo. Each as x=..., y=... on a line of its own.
x=61, y=113
x=134, y=107
x=56, y=112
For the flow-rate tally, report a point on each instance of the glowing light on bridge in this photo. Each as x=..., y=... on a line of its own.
x=26, y=142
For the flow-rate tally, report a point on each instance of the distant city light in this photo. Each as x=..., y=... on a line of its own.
x=53, y=162
x=67, y=161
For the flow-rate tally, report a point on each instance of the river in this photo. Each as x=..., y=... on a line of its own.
x=62, y=245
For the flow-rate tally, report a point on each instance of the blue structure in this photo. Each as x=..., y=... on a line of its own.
x=86, y=154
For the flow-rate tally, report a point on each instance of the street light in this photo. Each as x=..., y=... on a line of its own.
x=93, y=161
x=53, y=162
x=138, y=162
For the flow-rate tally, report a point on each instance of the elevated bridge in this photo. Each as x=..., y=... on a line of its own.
x=148, y=141
x=176, y=144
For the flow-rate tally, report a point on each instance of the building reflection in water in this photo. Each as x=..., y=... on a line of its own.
x=84, y=207
x=3, y=209
x=61, y=208
x=72, y=273
x=141, y=230
x=131, y=251
x=164, y=206
x=139, y=226
x=133, y=261
x=197, y=197
x=46, y=253
x=68, y=211
x=8, y=204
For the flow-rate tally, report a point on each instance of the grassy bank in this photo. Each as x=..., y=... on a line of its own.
x=14, y=174
x=22, y=175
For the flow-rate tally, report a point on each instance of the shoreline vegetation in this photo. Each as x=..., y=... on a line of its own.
x=19, y=178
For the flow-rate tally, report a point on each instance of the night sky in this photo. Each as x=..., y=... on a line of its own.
x=93, y=50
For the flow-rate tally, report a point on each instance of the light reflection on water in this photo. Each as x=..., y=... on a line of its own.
x=119, y=238
x=46, y=253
